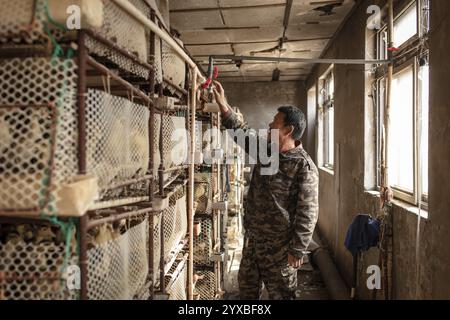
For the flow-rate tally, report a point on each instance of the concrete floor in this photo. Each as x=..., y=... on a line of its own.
x=310, y=283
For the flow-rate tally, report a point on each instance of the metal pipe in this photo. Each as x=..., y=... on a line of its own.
x=388, y=90
x=151, y=258
x=162, y=284
x=151, y=126
x=130, y=181
x=117, y=203
x=337, y=289
x=117, y=217
x=176, y=87
x=192, y=102
x=24, y=220
x=279, y=59
x=168, y=182
x=387, y=198
x=176, y=168
x=81, y=103
x=90, y=61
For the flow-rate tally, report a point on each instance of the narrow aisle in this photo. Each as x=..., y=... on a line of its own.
x=310, y=283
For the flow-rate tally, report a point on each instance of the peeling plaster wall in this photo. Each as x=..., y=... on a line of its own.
x=440, y=149
x=342, y=194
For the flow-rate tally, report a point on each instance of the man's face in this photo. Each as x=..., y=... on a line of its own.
x=279, y=124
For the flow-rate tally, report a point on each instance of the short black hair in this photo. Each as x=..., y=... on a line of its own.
x=296, y=118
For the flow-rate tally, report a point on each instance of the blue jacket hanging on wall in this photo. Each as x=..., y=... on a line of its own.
x=362, y=234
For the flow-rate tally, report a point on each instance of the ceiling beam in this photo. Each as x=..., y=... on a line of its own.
x=229, y=28
x=261, y=6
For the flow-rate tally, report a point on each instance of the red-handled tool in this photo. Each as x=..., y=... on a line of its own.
x=213, y=73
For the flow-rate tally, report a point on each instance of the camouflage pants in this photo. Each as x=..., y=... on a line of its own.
x=266, y=262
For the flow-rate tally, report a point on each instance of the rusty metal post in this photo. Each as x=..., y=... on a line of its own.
x=162, y=264
x=151, y=129
x=192, y=107
x=81, y=96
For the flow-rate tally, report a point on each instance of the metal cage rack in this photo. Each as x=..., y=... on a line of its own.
x=96, y=188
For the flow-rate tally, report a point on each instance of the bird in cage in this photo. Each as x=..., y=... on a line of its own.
x=45, y=234
x=104, y=234
x=201, y=193
x=139, y=151
x=26, y=232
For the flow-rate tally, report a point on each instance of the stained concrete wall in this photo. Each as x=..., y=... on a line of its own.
x=440, y=148
x=259, y=101
x=343, y=194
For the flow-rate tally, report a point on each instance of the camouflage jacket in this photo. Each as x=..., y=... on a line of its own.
x=282, y=208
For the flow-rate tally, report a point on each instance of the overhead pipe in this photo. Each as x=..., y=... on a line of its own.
x=304, y=60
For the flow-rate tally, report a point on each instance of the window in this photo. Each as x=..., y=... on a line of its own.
x=405, y=26
x=326, y=120
x=401, y=136
x=407, y=149
x=312, y=107
x=423, y=82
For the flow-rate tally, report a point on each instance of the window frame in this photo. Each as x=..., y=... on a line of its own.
x=399, y=193
x=313, y=105
x=381, y=76
x=324, y=105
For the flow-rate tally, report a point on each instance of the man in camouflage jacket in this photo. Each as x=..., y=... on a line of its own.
x=281, y=210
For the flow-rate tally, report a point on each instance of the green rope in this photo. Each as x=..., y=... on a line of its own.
x=50, y=18
x=49, y=213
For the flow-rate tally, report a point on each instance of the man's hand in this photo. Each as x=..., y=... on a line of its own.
x=219, y=95
x=294, y=261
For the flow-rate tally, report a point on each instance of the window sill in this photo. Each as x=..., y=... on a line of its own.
x=327, y=170
x=401, y=205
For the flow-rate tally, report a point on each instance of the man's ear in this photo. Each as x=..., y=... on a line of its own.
x=290, y=130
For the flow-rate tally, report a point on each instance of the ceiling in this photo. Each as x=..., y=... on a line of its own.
x=259, y=28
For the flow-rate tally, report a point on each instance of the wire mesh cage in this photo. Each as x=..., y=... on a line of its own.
x=203, y=137
x=174, y=230
x=39, y=132
x=176, y=280
x=33, y=263
x=203, y=192
x=175, y=222
x=174, y=67
x=39, y=146
x=117, y=139
x=118, y=267
x=203, y=243
x=157, y=60
x=145, y=6
x=174, y=141
x=117, y=27
x=205, y=286
x=20, y=21
x=156, y=249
